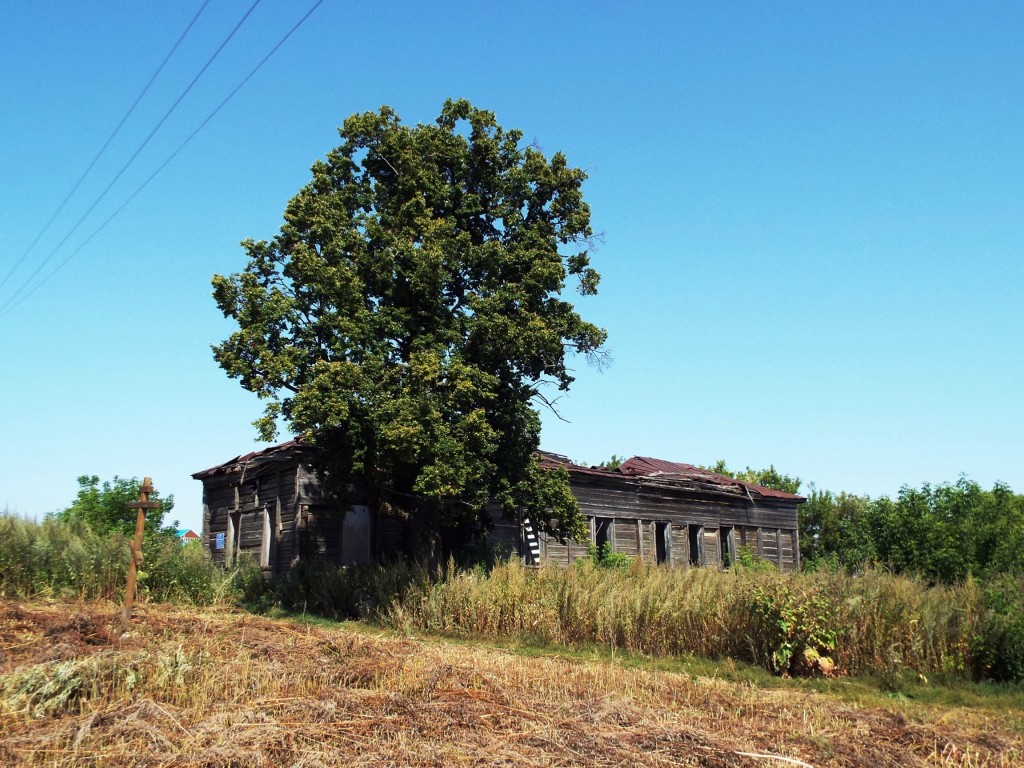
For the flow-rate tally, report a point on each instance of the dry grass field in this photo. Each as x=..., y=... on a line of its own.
x=219, y=687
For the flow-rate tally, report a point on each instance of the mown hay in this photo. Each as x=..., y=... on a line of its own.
x=223, y=688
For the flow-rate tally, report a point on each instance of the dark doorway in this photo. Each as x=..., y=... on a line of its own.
x=696, y=535
x=662, y=543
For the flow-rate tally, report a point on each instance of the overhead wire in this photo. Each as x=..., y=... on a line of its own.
x=106, y=144
x=9, y=306
x=131, y=159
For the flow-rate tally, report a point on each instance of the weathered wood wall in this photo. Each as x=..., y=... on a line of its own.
x=282, y=515
x=267, y=503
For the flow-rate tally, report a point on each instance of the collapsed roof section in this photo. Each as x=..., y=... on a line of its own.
x=667, y=475
x=257, y=461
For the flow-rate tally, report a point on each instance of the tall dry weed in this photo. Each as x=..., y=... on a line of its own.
x=874, y=622
x=68, y=560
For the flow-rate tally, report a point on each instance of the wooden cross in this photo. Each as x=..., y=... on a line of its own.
x=136, y=546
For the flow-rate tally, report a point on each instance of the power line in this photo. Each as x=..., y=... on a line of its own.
x=9, y=306
x=106, y=144
x=131, y=159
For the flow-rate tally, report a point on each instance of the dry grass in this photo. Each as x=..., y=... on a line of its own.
x=217, y=687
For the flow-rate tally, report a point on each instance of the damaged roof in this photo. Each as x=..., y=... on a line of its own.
x=671, y=473
x=642, y=468
x=256, y=459
x=645, y=466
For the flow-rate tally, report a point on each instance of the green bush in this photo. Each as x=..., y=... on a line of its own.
x=604, y=557
x=998, y=644
x=183, y=574
x=746, y=558
x=797, y=632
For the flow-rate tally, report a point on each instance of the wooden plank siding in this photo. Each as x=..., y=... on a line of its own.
x=391, y=533
x=648, y=542
x=680, y=545
x=625, y=537
x=787, y=552
x=284, y=514
x=712, y=552
x=505, y=538
x=769, y=546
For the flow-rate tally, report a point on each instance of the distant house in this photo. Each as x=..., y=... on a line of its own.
x=270, y=504
x=187, y=535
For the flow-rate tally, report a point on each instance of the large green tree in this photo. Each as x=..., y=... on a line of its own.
x=105, y=507
x=410, y=316
x=836, y=528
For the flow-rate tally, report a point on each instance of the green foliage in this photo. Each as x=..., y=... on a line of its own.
x=62, y=559
x=798, y=628
x=612, y=463
x=104, y=508
x=769, y=478
x=943, y=533
x=746, y=558
x=174, y=573
x=248, y=583
x=604, y=557
x=409, y=313
x=59, y=559
x=999, y=643
x=835, y=530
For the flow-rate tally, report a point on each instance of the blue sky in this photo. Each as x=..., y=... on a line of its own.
x=813, y=222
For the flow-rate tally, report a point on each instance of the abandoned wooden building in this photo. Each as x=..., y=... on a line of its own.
x=270, y=504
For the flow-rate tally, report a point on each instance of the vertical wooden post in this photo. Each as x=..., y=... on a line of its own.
x=136, y=546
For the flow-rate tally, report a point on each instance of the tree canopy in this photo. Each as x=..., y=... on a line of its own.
x=409, y=318
x=104, y=508
x=941, y=532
